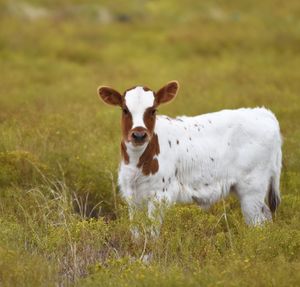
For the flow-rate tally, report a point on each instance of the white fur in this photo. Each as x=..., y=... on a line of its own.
x=231, y=150
x=137, y=101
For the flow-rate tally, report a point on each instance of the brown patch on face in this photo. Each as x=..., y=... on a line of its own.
x=124, y=153
x=150, y=119
x=126, y=122
x=147, y=162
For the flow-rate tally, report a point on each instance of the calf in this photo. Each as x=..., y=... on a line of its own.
x=196, y=159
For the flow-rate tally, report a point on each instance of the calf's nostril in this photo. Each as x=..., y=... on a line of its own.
x=139, y=135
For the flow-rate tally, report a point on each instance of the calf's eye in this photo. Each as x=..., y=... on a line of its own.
x=125, y=111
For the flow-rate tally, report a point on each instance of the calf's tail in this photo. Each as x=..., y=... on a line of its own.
x=274, y=188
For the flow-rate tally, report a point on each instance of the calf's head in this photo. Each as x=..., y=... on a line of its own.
x=138, y=106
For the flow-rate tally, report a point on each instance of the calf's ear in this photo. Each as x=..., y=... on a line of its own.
x=167, y=93
x=110, y=96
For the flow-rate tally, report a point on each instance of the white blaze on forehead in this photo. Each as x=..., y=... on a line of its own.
x=137, y=101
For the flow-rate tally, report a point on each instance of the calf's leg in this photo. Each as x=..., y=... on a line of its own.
x=252, y=198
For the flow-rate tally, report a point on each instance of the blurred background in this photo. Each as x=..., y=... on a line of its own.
x=59, y=144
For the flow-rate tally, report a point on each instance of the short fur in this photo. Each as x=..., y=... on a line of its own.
x=201, y=159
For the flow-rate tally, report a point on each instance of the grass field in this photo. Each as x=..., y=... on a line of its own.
x=62, y=221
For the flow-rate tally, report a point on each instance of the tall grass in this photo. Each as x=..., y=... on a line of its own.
x=62, y=221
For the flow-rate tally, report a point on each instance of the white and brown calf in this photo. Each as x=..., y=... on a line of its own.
x=197, y=159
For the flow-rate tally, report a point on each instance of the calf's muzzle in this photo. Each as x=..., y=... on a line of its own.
x=139, y=135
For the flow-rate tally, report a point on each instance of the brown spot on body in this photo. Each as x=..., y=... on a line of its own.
x=124, y=153
x=163, y=179
x=177, y=141
x=147, y=162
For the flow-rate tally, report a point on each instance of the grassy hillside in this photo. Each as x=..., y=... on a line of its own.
x=62, y=222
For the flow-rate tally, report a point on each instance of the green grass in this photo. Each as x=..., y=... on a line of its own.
x=62, y=221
